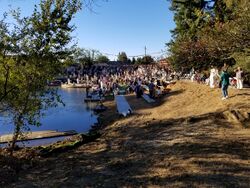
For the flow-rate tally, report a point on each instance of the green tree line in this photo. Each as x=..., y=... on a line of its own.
x=210, y=32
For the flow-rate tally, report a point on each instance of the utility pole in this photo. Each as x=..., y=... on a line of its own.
x=145, y=50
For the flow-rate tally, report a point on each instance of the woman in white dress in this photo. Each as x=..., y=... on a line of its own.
x=212, y=77
x=239, y=78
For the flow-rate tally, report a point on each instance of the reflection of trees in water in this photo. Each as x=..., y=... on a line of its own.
x=90, y=107
x=75, y=111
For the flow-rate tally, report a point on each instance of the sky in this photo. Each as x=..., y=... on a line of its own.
x=117, y=25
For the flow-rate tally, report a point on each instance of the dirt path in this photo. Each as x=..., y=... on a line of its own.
x=190, y=139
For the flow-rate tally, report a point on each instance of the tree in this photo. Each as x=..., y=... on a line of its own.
x=30, y=54
x=129, y=61
x=122, y=57
x=138, y=60
x=230, y=37
x=133, y=60
x=144, y=60
x=209, y=32
x=147, y=59
x=189, y=16
x=81, y=57
x=84, y=56
x=102, y=59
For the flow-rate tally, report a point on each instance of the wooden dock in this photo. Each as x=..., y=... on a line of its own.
x=37, y=135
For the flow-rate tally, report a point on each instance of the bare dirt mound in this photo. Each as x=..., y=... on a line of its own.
x=189, y=138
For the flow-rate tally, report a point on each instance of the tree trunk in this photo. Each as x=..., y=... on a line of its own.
x=16, y=133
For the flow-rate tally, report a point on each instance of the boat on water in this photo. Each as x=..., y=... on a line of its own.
x=55, y=83
x=93, y=99
x=74, y=85
x=100, y=108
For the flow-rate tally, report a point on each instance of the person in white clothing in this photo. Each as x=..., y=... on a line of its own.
x=214, y=77
x=239, y=78
x=211, y=77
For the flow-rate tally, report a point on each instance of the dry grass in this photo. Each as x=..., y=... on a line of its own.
x=188, y=139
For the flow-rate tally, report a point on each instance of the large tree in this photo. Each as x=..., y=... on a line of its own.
x=122, y=56
x=102, y=59
x=209, y=32
x=83, y=56
x=31, y=53
x=189, y=16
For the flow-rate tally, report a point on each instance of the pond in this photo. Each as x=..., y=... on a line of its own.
x=75, y=115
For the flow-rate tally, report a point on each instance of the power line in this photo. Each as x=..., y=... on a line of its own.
x=162, y=52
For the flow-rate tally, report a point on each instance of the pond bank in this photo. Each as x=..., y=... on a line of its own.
x=189, y=138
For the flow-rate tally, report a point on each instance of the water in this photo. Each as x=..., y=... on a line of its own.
x=75, y=115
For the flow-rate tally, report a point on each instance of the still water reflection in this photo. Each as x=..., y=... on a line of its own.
x=75, y=115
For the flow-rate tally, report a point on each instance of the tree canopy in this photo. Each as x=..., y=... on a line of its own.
x=210, y=32
x=122, y=56
x=83, y=56
x=145, y=60
x=31, y=53
x=102, y=59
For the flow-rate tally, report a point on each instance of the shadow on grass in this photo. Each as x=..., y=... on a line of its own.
x=143, y=104
x=240, y=94
x=175, y=153
x=9, y=168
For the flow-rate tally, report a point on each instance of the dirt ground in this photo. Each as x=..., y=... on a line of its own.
x=189, y=138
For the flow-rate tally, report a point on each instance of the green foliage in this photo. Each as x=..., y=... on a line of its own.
x=102, y=59
x=210, y=35
x=189, y=16
x=133, y=60
x=122, y=57
x=147, y=60
x=83, y=56
x=138, y=60
x=30, y=54
x=144, y=60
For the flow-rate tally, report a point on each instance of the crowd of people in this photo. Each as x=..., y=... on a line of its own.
x=127, y=79
x=223, y=80
x=153, y=78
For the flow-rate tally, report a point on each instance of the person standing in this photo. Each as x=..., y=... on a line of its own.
x=212, y=77
x=224, y=83
x=239, y=78
x=151, y=89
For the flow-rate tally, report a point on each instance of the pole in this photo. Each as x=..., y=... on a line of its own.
x=145, y=50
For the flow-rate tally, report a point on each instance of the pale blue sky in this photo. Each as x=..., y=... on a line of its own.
x=117, y=25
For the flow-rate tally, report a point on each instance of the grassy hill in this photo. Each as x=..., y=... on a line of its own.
x=190, y=138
